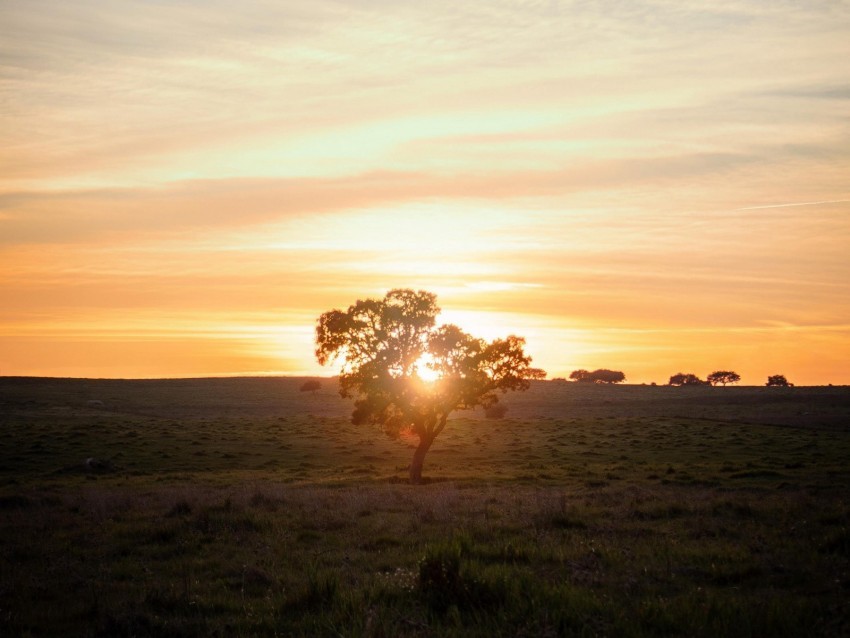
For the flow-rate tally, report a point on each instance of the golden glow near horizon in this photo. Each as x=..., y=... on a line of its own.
x=653, y=187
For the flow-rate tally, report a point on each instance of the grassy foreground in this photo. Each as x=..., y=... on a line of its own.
x=242, y=507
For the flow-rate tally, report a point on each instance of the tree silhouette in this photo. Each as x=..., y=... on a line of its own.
x=686, y=379
x=581, y=376
x=778, y=380
x=723, y=377
x=598, y=376
x=608, y=376
x=311, y=385
x=384, y=344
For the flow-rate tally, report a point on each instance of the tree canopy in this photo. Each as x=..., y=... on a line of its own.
x=389, y=347
x=723, y=377
x=686, y=379
x=598, y=376
x=778, y=380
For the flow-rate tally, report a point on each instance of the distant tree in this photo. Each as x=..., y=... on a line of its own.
x=607, y=376
x=384, y=343
x=496, y=411
x=311, y=385
x=686, y=379
x=778, y=380
x=598, y=376
x=723, y=377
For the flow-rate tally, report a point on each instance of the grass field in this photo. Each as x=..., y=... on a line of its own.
x=241, y=507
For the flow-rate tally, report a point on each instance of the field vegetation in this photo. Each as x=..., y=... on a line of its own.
x=246, y=507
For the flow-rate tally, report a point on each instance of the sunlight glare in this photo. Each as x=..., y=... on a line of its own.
x=425, y=372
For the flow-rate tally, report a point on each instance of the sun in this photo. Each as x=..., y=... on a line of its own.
x=426, y=373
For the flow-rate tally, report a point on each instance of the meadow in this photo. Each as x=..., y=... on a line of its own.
x=243, y=507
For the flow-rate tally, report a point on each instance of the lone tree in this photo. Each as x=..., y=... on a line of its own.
x=407, y=375
x=779, y=381
x=686, y=379
x=723, y=377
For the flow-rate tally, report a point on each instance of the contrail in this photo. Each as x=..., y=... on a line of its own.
x=826, y=201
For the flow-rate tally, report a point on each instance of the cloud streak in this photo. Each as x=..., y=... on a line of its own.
x=615, y=177
x=796, y=204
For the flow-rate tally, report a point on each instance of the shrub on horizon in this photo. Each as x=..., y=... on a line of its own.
x=496, y=411
x=311, y=385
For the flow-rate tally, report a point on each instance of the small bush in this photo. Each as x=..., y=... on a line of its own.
x=563, y=521
x=320, y=591
x=838, y=543
x=263, y=501
x=312, y=385
x=180, y=508
x=496, y=411
x=440, y=582
x=447, y=582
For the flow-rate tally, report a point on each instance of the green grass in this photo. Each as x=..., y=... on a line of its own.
x=588, y=511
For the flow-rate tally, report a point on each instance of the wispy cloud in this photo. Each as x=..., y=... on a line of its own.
x=795, y=204
x=588, y=169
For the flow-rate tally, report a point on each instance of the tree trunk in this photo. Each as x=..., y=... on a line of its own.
x=419, y=458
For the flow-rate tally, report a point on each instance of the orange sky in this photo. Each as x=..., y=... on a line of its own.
x=653, y=186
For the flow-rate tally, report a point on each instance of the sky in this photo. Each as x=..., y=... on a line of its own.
x=656, y=186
